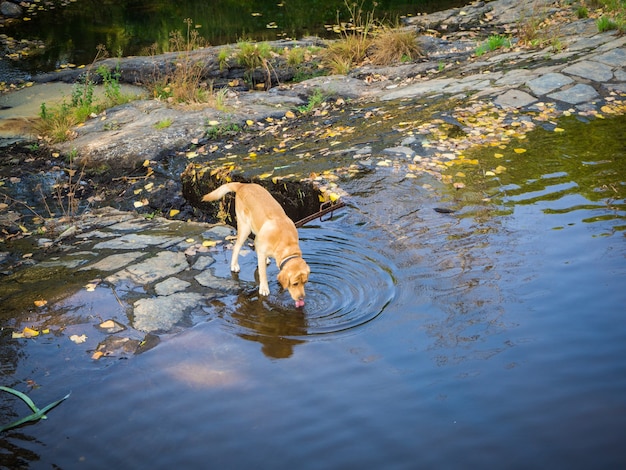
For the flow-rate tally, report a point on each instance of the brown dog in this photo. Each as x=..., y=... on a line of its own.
x=276, y=237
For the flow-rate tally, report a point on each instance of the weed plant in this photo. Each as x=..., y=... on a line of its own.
x=55, y=122
x=493, y=43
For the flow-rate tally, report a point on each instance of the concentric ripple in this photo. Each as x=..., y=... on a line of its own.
x=350, y=285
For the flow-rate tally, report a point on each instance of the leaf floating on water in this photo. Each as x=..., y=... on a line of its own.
x=40, y=303
x=489, y=173
x=107, y=324
x=78, y=339
x=498, y=155
x=559, y=129
x=500, y=169
x=519, y=150
x=97, y=355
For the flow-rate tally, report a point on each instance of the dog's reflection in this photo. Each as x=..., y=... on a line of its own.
x=264, y=320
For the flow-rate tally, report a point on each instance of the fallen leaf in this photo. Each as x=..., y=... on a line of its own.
x=97, y=355
x=209, y=243
x=78, y=339
x=40, y=303
x=518, y=150
x=559, y=129
x=174, y=212
x=107, y=324
x=29, y=332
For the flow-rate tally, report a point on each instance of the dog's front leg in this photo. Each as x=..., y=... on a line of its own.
x=264, y=288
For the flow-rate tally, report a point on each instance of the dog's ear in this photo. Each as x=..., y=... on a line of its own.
x=283, y=279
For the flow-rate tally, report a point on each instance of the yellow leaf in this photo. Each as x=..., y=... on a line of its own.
x=138, y=204
x=498, y=155
x=191, y=154
x=149, y=186
x=489, y=173
x=107, y=324
x=174, y=212
x=265, y=176
x=460, y=174
x=45, y=331
x=190, y=240
x=290, y=115
x=518, y=150
x=137, y=191
x=334, y=197
x=559, y=129
x=91, y=286
x=250, y=122
x=252, y=155
x=17, y=334
x=209, y=243
x=40, y=303
x=213, y=123
x=500, y=169
x=29, y=332
x=146, y=163
x=97, y=355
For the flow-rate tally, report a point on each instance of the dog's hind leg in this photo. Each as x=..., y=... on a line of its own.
x=243, y=231
x=264, y=288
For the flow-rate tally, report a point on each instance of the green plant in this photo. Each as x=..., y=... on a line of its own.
x=183, y=82
x=582, y=12
x=495, y=41
x=222, y=57
x=606, y=23
x=315, y=99
x=163, y=124
x=253, y=55
x=216, y=130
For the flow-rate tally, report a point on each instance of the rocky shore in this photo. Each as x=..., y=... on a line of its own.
x=159, y=265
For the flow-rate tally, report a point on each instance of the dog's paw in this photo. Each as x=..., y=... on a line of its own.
x=235, y=268
x=264, y=290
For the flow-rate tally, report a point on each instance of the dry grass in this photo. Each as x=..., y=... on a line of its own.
x=392, y=45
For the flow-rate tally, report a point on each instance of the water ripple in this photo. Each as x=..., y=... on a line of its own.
x=350, y=285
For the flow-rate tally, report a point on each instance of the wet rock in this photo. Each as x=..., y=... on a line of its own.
x=113, y=345
x=577, y=94
x=115, y=262
x=163, y=312
x=590, y=69
x=514, y=99
x=164, y=264
x=548, y=83
x=227, y=286
x=134, y=241
x=11, y=10
x=170, y=286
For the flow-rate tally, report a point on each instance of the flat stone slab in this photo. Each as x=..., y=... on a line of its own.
x=134, y=241
x=164, y=264
x=591, y=70
x=548, y=83
x=579, y=93
x=163, y=312
x=615, y=58
x=170, y=286
x=114, y=262
x=514, y=99
x=418, y=89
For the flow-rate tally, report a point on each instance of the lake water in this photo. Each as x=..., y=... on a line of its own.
x=490, y=337
x=70, y=34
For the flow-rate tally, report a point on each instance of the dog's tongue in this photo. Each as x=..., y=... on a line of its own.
x=300, y=303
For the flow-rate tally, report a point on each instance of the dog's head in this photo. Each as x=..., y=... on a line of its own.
x=293, y=276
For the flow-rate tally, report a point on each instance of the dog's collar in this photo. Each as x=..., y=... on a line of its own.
x=286, y=260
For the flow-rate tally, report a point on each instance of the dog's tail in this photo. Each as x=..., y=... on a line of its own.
x=221, y=191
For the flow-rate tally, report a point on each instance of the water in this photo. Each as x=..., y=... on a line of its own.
x=72, y=32
x=493, y=336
